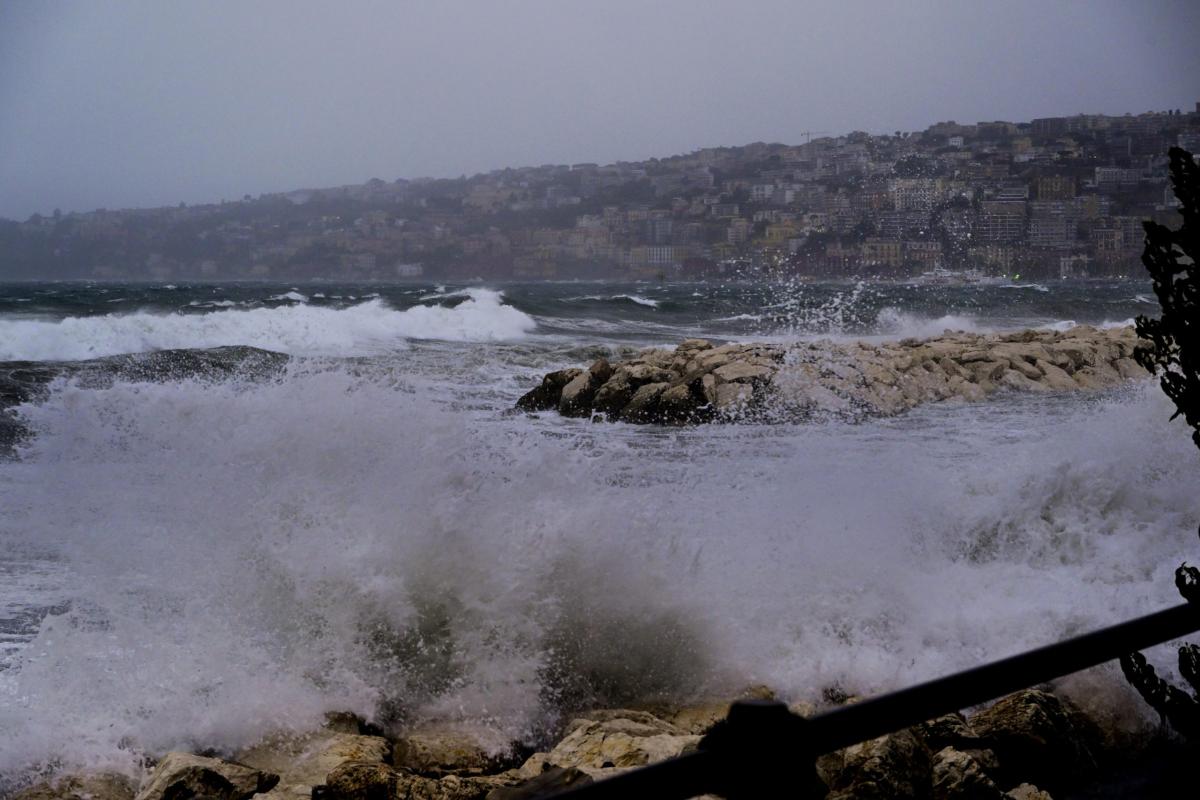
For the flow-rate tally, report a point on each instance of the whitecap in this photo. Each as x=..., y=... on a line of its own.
x=297, y=329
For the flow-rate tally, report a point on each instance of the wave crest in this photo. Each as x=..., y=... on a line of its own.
x=296, y=329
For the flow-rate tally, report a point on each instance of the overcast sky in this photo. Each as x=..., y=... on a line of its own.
x=122, y=104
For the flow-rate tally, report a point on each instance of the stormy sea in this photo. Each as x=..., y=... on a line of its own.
x=229, y=509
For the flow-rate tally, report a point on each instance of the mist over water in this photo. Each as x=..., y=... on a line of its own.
x=195, y=561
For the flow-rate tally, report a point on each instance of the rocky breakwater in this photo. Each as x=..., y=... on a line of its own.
x=702, y=382
x=1032, y=745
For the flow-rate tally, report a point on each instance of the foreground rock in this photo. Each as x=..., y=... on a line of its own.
x=183, y=776
x=90, y=786
x=302, y=762
x=1017, y=749
x=701, y=382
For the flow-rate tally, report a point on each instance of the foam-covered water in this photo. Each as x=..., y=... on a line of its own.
x=192, y=562
x=295, y=328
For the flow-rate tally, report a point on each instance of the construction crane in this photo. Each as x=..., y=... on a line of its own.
x=809, y=134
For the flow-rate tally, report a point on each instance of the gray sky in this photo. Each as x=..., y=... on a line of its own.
x=122, y=104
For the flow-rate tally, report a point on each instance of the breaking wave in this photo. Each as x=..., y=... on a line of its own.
x=296, y=329
x=333, y=540
x=894, y=322
x=629, y=298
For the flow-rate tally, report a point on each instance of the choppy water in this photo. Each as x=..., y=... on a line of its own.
x=196, y=548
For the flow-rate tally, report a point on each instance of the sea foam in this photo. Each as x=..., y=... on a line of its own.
x=297, y=329
x=245, y=557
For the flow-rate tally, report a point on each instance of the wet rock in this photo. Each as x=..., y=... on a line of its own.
x=1027, y=791
x=1055, y=377
x=960, y=775
x=618, y=738
x=547, y=394
x=92, y=786
x=576, y=397
x=356, y=780
x=302, y=762
x=689, y=384
x=1037, y=737
x=742, y=372
x=614, y=395
x=643, y=406
x=733, y=397
x=949, y=730
x=554, y=779
x=361, y=781
x=183, y=776
x=444, y=751
x=679, y=404
x=1012, y=379
x=893, y=766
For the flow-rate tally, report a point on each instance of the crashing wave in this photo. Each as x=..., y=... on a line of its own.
x=296, y=329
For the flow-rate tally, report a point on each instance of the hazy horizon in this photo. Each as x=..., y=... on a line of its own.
x=139, y=105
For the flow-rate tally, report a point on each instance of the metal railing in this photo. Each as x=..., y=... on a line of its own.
x=731, y=759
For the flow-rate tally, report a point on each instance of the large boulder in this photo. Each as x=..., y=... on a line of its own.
x=576, y=397
x=553, y=780
x=547, y=394
x=605, y=739
x=304, y=761
x=963, y=775
x=445, y=750
x=1038, y=738
x=88, y=786
x=893, y=766
x=361, y=781
x=184, y=776
x=643, y=406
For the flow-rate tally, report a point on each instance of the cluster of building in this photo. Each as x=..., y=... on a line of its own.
x=1055, y=197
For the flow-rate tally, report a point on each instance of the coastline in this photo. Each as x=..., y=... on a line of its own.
x=1030, y=745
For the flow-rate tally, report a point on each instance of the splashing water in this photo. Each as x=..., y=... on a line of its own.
x=203, y=561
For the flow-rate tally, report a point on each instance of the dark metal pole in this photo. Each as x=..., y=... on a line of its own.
x=709, y=770
x=891, y=712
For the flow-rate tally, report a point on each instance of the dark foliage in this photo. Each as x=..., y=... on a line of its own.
x=1172, y=351
x=1171, y=259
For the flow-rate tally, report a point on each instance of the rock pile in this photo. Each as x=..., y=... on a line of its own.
x=1021, y=748
x=701, y=382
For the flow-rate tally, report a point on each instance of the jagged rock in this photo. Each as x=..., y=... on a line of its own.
x=1027, y=791
x=182, y=776
x=961, y=775
x=618, y=738
x=643, y=406
x=690, y=383
x=741, y=372
x=302, y=762
x=950, y=730
x=614, y=395
x=893, y=766
x=698, y=717
x=547, y=394
x=733, y=397
x=444, y=751
x=91, y=786
x=356, y=780
x=678, y=404
x=1037, y=737
x=576, y=397
x=554, y=779
x=1055, y=377
x=1013, y=379
x=361, y=781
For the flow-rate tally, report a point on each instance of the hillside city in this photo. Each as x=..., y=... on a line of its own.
x=1057, y=197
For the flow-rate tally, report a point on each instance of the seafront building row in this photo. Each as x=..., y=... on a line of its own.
x=1054, y=197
